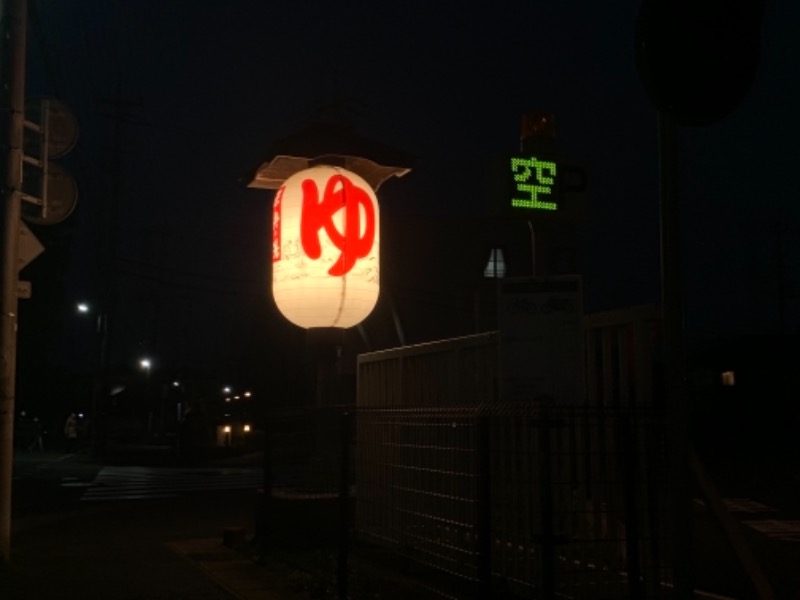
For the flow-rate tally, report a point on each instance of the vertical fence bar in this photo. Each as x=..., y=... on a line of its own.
x=344, y=507
x=547, y=537
x=484, y=508
x=630, y=474
x=265, y=506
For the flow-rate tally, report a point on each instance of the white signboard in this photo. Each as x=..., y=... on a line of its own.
x=542, y=340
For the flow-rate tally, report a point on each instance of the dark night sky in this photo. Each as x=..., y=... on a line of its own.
x=201, y=90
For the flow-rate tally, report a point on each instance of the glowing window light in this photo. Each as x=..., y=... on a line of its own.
x=532, y=180
x=325, y=248
x=728, y=378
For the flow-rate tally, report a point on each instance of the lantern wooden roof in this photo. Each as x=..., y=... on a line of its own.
x=334, y=144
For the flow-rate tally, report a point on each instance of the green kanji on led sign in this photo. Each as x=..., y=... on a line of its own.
x=534, y=181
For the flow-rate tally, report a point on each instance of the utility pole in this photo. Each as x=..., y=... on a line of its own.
x=780, y=263
x=674, y=355
x=107, y=255
x=13, y=23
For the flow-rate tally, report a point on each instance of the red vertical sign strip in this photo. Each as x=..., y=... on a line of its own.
x=276, y=226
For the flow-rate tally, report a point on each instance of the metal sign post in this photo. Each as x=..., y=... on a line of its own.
x=13, y=19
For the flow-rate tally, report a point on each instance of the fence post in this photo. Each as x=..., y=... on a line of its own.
x=484, y=509
x=630, y=457
x=344, y=508
x=265, y=506
x=547, y=537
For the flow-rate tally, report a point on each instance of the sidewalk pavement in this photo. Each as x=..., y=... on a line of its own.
x=155, y=550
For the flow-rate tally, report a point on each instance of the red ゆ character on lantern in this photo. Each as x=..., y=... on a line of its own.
x=325, y=248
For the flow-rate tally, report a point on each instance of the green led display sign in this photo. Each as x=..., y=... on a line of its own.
x=534, y=183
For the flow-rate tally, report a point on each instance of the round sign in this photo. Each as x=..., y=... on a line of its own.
x=697, y=59
x=59, y=122
x=62, y=195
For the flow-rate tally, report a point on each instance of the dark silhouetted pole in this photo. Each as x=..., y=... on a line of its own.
x=264, y=507
x=630, y=470
x=344, y=508
x=547, y=538
x=13, y=17
x=674, y=359
x=98, y=431
x=484, y=507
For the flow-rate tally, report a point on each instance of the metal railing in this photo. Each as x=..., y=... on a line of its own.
x=528, y=500
x=493, y=499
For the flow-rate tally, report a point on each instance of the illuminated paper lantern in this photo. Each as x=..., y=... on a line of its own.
x=325, y=248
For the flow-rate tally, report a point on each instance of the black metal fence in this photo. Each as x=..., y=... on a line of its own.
x=523, y=501
x=486, y=499
x=527, y=501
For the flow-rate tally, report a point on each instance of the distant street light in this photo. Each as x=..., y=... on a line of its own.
x=145, y=364
x=83, y=308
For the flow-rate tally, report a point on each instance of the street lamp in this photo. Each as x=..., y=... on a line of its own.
x=325, y=237
x=325, y=248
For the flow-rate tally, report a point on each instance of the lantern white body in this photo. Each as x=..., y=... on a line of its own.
x=325, y=248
